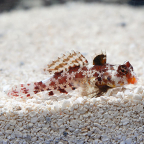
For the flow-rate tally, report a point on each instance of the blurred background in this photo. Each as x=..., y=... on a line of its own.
x=6, y=5
x=35, y=32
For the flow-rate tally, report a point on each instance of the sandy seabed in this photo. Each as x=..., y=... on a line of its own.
x=31, y=39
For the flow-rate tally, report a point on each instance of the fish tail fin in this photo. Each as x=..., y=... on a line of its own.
x=27, y=90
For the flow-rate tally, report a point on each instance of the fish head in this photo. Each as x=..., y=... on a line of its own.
x=119, y=75
x=124, y=74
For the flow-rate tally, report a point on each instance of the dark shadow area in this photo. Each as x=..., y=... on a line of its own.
x=7, y=5
x=136, y=2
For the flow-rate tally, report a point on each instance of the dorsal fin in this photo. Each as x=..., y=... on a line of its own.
x=65, y=62
x=100, y=59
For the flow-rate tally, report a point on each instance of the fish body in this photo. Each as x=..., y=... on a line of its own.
x=71, y=72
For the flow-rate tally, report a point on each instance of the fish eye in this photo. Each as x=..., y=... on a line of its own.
x=123, y=70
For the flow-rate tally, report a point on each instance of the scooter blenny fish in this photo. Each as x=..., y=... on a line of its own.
x=71, y=71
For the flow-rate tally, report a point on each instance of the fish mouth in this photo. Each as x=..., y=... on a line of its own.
x=132, y=80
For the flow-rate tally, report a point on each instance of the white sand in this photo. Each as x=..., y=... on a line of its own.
x=31, y=39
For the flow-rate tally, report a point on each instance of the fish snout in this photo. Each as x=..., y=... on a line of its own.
x=132, y=80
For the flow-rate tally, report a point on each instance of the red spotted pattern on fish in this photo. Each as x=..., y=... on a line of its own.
x=71, y=71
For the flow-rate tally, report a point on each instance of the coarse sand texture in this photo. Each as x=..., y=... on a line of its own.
x=31, y=39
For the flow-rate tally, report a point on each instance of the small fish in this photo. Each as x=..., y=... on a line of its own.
x=71, y=72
